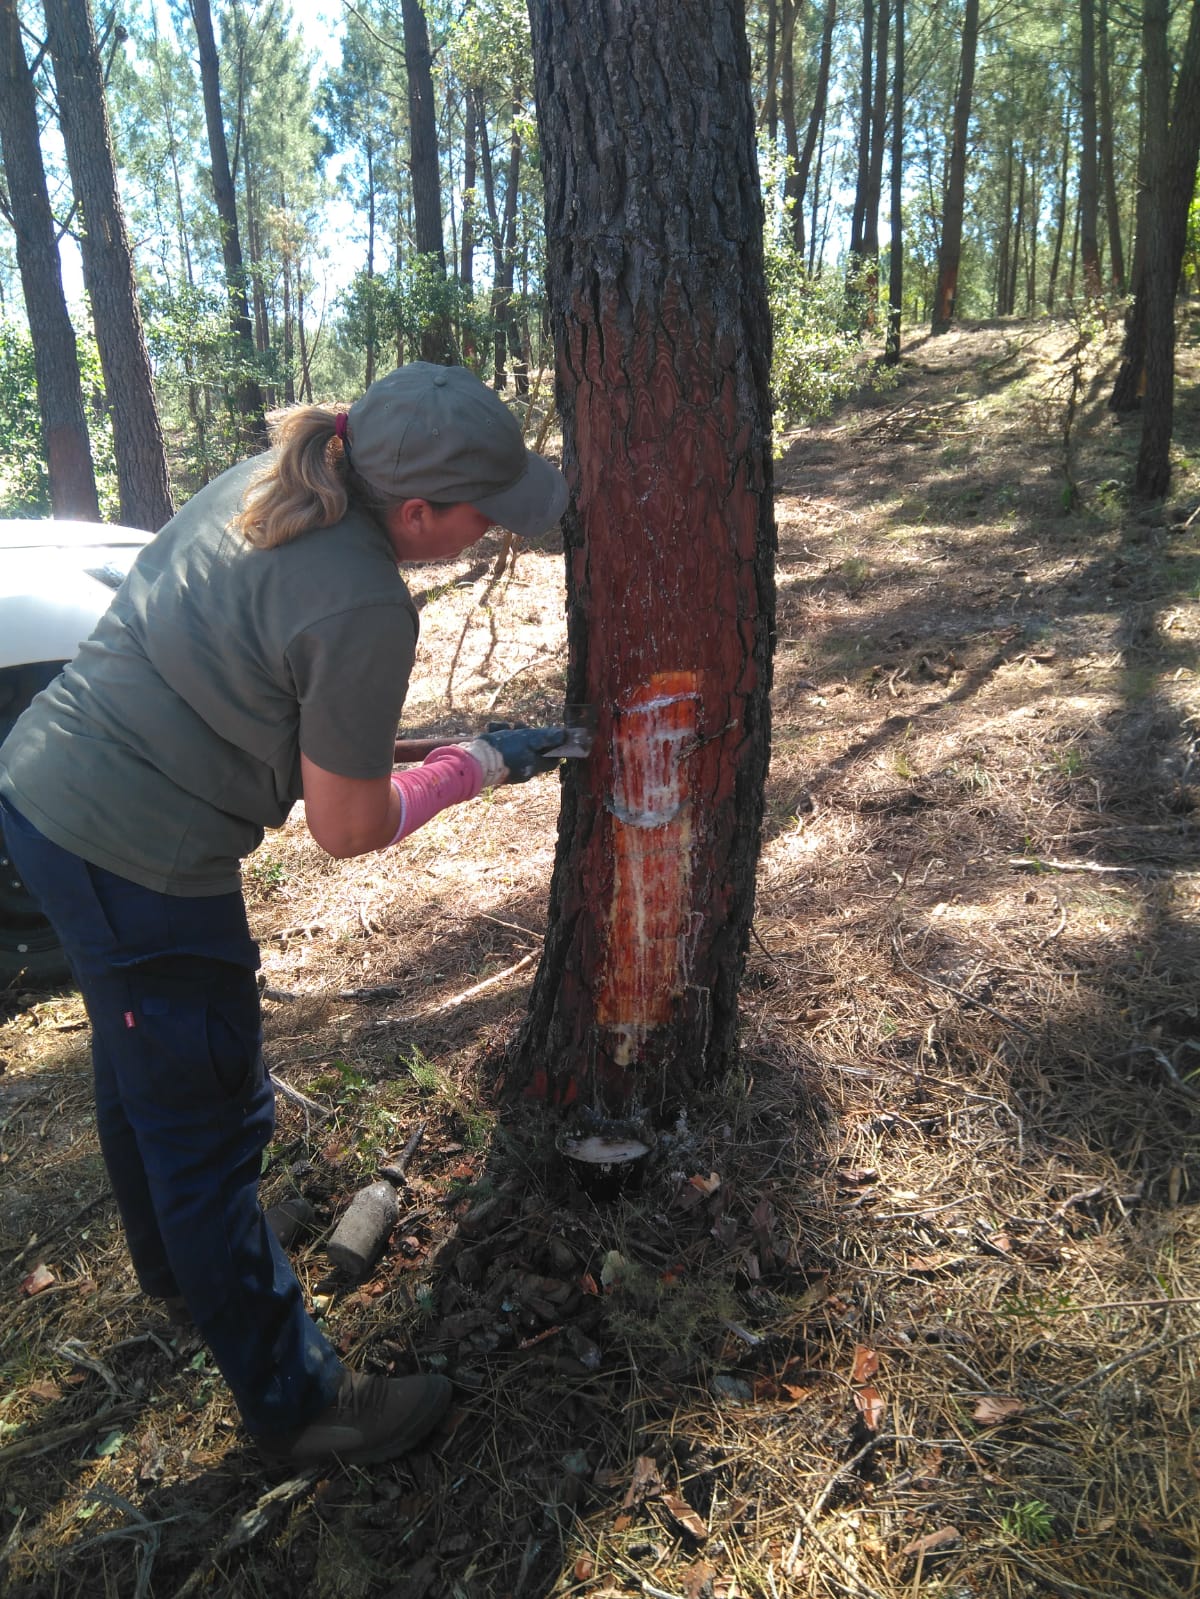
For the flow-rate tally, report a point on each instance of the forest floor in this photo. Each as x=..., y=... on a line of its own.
x=907, y=1305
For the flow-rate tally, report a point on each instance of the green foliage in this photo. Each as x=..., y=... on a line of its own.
x=398, y=307
x=818, y=356
x=198, y=368
x=24, y=482
x=24, y=479
x=815, y=319
x=1029, y=1522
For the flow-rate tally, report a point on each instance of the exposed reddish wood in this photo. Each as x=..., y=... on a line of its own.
x=654, y=268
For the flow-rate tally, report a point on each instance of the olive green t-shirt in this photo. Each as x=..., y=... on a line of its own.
x=173, y=739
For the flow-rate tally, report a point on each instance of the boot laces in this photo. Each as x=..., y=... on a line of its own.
x=360, y=1394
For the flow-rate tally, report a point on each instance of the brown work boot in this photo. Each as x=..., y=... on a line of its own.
x=372, y=1418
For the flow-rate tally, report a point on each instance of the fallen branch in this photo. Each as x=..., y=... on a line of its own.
x=467, y=993
x=294, y=1094
x=247, y=1527
x=43, y=1443
x=1037, y=863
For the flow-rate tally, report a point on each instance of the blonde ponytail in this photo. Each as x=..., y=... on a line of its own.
x=302, y=484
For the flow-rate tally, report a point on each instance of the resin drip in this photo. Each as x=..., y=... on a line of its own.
x=651, y=806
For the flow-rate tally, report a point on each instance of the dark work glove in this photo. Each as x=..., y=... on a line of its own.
x=523, y=750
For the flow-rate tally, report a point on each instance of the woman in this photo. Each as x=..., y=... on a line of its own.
x=259, y=652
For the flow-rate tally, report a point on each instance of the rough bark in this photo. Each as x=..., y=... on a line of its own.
x=1171, y=193
x=56, y=362
x=950, y=253
x=655, y=276
x=248, y=398
x=143, y=484
x=1165, y=139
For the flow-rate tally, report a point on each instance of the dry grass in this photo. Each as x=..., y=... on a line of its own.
x=956, y=1168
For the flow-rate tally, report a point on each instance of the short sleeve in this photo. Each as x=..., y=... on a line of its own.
x=351, y=674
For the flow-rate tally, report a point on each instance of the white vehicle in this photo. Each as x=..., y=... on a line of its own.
x=56, y=580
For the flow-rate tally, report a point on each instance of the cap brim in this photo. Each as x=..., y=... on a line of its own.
x=533, y=504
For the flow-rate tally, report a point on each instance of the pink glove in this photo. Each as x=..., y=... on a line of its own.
x=447, y=776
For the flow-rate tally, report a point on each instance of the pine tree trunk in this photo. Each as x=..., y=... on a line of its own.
x=1108, y=173
x=793, y=194
x=655, y=276
x=858, y=215
x=1089, y=173
x=1169, y=201
x=506, y=265
x=437, y=343
x=950, y=254
x=891, y=353
x=248, y=399
x=466, y=271
x=56, y=360
x=870, y=236
x=1060, y=226
x=371, y=339
x=815, y=123
x=144, y=487
x=771, y=98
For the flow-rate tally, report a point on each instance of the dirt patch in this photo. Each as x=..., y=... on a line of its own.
x=909, y=1303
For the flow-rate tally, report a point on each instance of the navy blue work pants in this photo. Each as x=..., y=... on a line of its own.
x=184, y=1110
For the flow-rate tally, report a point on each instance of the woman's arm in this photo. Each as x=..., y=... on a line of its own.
x=353, y=816
x=349, y=815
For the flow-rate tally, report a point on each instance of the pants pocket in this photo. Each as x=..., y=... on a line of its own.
x=201, y=1029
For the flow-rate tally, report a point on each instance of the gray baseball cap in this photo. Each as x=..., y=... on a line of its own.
x=437, y=433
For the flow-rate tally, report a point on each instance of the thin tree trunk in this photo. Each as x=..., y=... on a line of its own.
x=793, y=194
x=1108, y=173
x=1000, y=280
x=1017, y=233
x=870, y=234
x=858, y=215
x=142, y=479
x=891, y=354
x=372, y=330
x=248, y=398
x=1060, y=226
x=505, y=262
x=1089, y=178
x=437, y=343
x=771, y=97
x=950, y=254
x=55, y=357
x=466, y=271
x=816, y=122
x=655, y=274
x=816, y=198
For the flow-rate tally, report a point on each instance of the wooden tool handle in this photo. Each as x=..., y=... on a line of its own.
x=416, y=749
